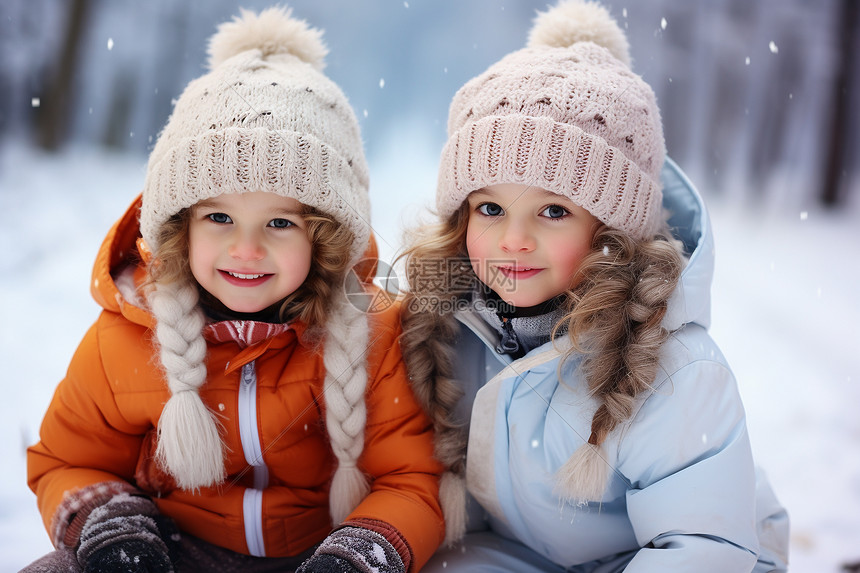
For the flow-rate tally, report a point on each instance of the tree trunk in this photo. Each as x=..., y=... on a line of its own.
x=836, y=169
x=56, y=106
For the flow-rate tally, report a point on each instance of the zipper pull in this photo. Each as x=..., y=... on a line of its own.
x=509, y=343
x=248, y=373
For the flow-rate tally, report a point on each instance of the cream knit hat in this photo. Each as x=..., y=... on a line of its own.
x=263, y=119
x=565, y=114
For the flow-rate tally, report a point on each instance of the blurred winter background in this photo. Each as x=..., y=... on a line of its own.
x=760, y=103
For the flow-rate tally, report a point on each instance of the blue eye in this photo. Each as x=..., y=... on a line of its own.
x=222, y=218
x=490, y=209
x=555, y=212
x=281, y=223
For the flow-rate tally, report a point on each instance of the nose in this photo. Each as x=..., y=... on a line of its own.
x=247, y=246
x=516, y=237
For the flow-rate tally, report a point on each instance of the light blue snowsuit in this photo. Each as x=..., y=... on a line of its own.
x=683, y=494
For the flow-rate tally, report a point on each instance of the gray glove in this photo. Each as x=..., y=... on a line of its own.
x=354, y=550
x=126, y=534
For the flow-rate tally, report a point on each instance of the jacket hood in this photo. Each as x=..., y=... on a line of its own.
x=119, y=269
x=688, y=218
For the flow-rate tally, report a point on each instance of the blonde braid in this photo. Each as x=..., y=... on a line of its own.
x=429, y=356
x=427, y=344
x=616, y=322
x=346, y=413
x=189, y=444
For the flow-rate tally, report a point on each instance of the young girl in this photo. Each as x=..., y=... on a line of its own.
x=566, y=340
x=223, y=413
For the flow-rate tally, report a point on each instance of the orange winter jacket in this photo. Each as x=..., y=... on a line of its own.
x=100, y=428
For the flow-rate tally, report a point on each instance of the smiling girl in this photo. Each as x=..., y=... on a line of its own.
x=574, y=388
x=224, y=412
x=526, y=244
x=250, y=251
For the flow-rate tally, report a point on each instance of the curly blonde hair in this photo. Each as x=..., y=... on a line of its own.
x=330, y=244
x=427, y=336
x=613, y=318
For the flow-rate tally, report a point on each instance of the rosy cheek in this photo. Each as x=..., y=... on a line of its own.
x=474, y=247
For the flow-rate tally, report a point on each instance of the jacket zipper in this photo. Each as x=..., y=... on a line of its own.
x=509, y=343
x=252, y=504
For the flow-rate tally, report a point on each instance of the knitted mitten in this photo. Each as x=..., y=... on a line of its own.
x=354, y=550
x=127, y=534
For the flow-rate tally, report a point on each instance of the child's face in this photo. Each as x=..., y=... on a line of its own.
x=249, y=250
x=526, y=243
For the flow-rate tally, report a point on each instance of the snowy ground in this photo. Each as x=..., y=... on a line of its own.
x=785, y=313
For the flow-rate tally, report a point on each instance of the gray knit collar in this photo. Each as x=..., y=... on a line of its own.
x=521, y=334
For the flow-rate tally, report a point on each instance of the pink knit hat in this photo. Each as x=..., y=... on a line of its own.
x=565, y=114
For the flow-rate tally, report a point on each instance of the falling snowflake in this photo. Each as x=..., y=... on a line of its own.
x=773, y=48
x=381, y=83
x=110, y=44
x=365, y=113
x=663, y=23
x=35, y=102
x=804, y=215
x=748, y=60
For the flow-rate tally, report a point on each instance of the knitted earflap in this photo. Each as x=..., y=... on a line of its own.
x=346, y=413
x=189, y=445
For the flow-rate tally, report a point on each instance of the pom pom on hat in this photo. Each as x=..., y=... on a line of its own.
x=273, y=32
x=574, y=21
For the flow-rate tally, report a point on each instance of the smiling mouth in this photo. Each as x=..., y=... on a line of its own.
x=518, y=269
x=245, y=279
x=244, y=276
x=519, y=272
